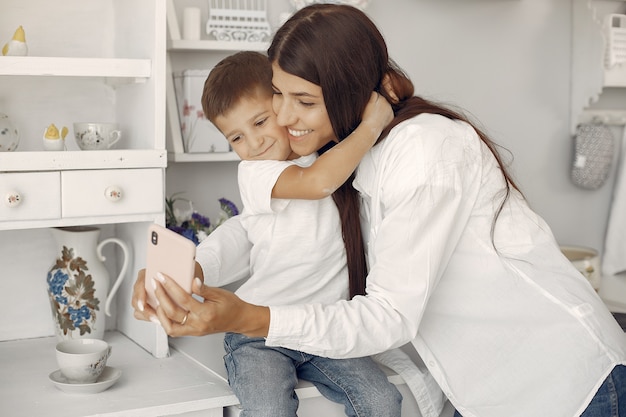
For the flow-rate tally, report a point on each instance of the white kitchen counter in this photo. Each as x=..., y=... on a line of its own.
x=191, y=381
x=147, y=387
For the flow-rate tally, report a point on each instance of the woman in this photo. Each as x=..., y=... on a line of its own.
x=459, y=265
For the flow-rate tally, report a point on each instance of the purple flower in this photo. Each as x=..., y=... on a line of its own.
x=197, y=227
x=200, y=220
x=229, y=207
x=177, y=229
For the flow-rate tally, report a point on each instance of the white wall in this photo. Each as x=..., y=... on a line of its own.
x=507, y=63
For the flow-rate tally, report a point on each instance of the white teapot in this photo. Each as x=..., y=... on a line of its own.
x=9, y=135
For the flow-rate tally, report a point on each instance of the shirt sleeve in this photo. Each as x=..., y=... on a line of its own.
x=256, y=181
x=423, y=211
x=224, y=255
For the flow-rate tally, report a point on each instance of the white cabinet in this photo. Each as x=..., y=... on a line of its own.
x=25, y=194
x=101, y=61
x=38, y=199
x=112, y=192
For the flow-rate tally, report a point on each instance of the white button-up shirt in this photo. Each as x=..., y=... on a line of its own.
x=510, y=331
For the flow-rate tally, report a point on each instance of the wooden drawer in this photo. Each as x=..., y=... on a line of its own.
x=111, y=192
x=30, y=196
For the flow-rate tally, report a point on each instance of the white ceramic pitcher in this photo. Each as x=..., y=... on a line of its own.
x=78, y=282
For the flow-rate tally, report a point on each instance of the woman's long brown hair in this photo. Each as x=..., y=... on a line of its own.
x=340, y=49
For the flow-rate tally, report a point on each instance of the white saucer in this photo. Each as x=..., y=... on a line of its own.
x=108, y=377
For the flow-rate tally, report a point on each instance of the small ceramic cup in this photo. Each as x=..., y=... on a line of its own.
x=96, y=136
x=587, y=261
x=82, y=361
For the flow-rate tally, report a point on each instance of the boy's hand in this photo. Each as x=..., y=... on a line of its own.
x=377, y=114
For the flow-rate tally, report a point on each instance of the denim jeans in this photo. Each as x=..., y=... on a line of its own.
x=610, y=400
x=264, y=379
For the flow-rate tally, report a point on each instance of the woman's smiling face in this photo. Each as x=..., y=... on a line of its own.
x=299, y=106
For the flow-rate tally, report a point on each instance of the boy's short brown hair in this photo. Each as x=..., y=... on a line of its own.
x=243, y=74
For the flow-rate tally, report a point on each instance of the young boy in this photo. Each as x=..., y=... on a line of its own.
x=297, y=253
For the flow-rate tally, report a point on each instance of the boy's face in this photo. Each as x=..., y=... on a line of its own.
x=251, y=129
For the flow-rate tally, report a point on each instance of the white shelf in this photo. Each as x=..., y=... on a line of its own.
x=75, y=67
x=615, y=77
x=68, y=160
x=176, y=44
x=604, y=116
x=147, y=387
x=210, y=45
x=203, y=157
x=81, y=221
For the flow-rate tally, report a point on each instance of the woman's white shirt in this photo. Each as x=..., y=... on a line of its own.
x=514, y=330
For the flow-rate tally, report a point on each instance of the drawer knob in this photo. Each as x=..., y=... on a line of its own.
x=13, y=199
x=113, y=193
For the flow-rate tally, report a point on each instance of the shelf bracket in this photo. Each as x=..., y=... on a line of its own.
x=605, y=117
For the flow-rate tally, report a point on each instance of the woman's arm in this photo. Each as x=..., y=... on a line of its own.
x=334, y=167
x=419, y=209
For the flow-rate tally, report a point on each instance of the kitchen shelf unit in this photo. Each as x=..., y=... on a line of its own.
x=203, y=47
x=112, y=71
x=211, y=45
x=590, y=76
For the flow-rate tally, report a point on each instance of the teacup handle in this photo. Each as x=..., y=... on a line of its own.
x=114, y=137
x=120, y=277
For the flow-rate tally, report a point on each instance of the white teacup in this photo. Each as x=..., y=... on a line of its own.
x=82, y=361
x=96, y=136
x=587, y=261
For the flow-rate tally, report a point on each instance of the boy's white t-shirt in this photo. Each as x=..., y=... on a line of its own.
x=297, y=255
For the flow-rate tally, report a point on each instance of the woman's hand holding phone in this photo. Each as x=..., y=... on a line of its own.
x=162, y=293
x=218, y=311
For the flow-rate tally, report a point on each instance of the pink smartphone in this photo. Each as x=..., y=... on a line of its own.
x=171, y=254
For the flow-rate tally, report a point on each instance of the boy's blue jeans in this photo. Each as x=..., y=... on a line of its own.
x=610, y=400
x=264, y=379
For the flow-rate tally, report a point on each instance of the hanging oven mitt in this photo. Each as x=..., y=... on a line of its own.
x=593, y=154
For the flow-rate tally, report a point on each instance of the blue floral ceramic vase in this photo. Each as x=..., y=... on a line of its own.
x=78, y=282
